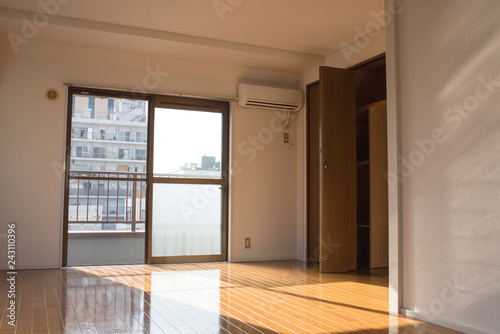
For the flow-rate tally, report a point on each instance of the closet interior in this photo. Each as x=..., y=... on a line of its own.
x=347, y=192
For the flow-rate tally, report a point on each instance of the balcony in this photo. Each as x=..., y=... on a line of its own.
x=111, y=156
x=108, y=137
x=104, y=202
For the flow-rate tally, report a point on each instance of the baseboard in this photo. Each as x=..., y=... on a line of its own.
x=263, y=259
x=32, y=267
x=442, y=322
x=38, y=267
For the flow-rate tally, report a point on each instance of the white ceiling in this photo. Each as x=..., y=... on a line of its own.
x=291, y=35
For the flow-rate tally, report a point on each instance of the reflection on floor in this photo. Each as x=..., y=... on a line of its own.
x=263, y=297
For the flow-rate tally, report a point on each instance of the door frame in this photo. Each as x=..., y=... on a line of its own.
x=393, y=152
x=186, y=103
x=195, y=104
x=83, y=90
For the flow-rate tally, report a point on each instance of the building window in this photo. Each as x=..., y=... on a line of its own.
x=124, y=154
x=140, y=137
x=91, y=106
x=124, y=135
x=99, y=153
x=140, y=154
x=111, y=107
x=78, y=151
x=79, y=133
x=82, y=152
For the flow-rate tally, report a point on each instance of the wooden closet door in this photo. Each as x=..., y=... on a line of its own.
x=313, y=170
x=379, y=215
x=337, y=170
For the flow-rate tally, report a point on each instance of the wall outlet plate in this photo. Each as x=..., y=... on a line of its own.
x=247, y=242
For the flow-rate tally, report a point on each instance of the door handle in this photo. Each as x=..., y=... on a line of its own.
x=325, y=166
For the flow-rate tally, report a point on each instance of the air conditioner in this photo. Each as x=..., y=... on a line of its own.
x=269, y=97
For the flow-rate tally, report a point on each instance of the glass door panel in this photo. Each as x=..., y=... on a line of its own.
x=187, y=144
x=189, y=220
x=189, y=169
x=105, y=195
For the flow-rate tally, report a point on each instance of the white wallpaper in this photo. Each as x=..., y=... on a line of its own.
x=449, y=84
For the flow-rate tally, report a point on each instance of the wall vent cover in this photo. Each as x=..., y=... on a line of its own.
x=52, y=94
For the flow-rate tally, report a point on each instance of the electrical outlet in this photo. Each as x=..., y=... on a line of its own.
x=286, y=137
x=247, y=242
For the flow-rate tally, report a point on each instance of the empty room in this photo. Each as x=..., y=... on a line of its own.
x=249, y=166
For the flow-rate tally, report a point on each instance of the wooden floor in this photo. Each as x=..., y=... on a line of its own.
x=264, y=297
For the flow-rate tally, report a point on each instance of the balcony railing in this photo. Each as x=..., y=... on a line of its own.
x=112, y=156
x=110, y=137
x=103, y=201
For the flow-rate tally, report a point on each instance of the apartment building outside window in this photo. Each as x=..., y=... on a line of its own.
x=102, y=130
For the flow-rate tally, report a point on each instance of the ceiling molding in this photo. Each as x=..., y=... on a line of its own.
x=164, y=35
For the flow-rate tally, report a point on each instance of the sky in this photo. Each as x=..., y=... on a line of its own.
x=182, y=136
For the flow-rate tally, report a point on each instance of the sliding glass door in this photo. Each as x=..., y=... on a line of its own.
x=189, y=169
x=105, y=186
x=146, y=179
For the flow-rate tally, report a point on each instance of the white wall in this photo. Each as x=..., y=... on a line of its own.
x=263, y=193
x=451, y=186
x=264, y=187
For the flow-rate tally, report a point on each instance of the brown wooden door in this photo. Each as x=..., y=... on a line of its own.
x=379, y=216
x=313, y=170
x=337, y=175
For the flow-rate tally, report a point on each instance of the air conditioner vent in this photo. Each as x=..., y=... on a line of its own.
x=267, y=104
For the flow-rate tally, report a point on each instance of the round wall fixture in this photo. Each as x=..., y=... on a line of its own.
x=52, y=94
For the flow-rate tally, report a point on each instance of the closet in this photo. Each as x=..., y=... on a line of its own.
x=347, y=220
x=371, y=186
